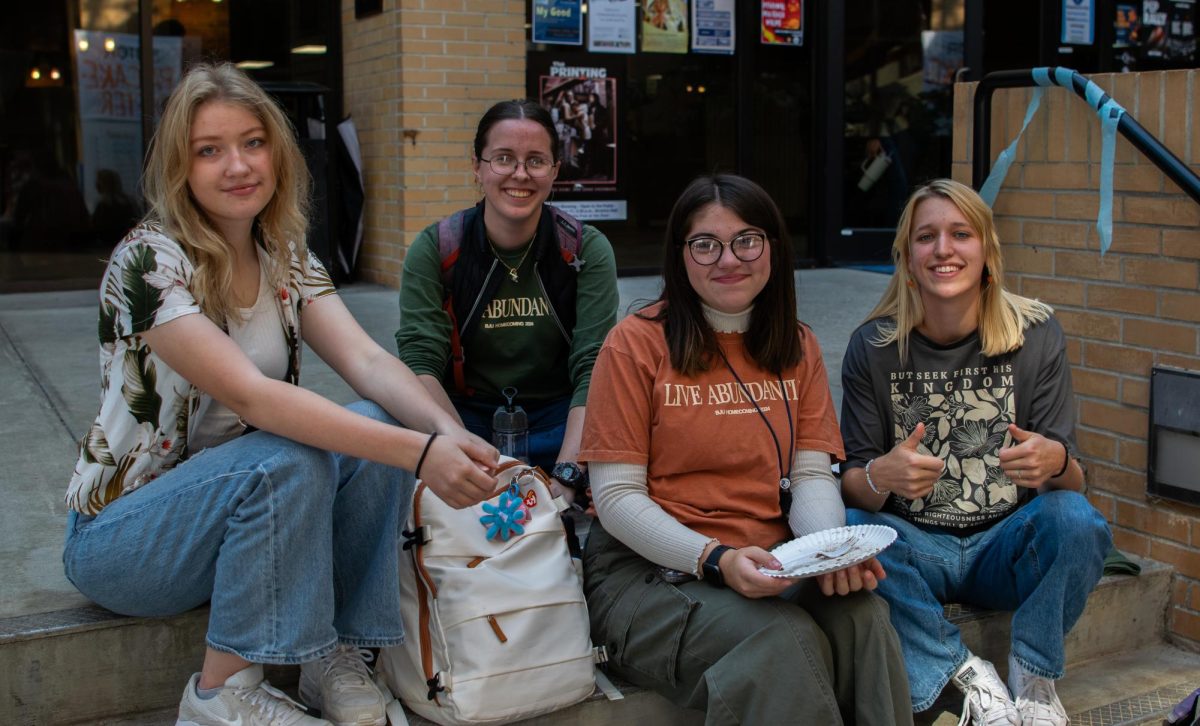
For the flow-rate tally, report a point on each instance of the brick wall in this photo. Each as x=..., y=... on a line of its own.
x=431, y=67
x=1136, y=307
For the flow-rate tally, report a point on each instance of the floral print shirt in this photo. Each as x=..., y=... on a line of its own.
x=147, y=410
x=966, y=401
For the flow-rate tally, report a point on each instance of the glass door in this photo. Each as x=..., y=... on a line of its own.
x=72, y=136
x=900, y=61
x=53, y=225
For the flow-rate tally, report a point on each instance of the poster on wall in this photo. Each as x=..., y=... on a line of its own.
x=664, y=26
x=713, y=30
x=582, y=101
x=1078, y=22
x=612, y=26
x=1124, y=23
x=1167, y=31
x=558, y=22
x=599, y=210
x=108, y=70
x=782, y=22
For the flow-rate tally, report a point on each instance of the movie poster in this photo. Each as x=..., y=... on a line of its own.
x=713, y=26
x=1124, y=24
x=612, y=26
x=664, y=26
x=558, y=21
x=582, y=101
x=782, y=22
x=1167, y=31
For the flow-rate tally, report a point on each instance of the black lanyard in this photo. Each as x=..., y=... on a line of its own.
x=785, y=483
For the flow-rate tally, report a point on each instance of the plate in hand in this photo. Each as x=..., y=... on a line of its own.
x=830, y=549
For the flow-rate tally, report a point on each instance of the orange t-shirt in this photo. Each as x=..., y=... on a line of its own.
x=711, y=462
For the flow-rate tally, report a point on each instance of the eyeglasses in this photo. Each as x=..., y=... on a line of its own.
x=747, y=247
x=505, y=164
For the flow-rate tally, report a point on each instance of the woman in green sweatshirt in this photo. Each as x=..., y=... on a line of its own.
x=511, y=293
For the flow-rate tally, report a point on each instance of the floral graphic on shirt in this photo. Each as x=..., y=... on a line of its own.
x=912, y=411
x=966, y=425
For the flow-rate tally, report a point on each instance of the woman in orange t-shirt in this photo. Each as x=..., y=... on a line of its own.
x=709, y=435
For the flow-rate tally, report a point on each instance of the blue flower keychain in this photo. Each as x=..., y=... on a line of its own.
x=505, y=518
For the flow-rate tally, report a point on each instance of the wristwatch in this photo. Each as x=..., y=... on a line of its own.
x=710, y=568
x=572, y=476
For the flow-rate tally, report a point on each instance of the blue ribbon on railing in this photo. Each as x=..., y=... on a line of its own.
x=1109, y=112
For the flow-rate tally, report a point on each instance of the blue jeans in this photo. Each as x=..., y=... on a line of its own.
x=547, y=426
x=295, y=547
x=1041, y=561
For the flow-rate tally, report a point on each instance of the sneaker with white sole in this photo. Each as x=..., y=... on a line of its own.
x=340, y=684
x=1037, y=702
x=987, y=702
x=245, y=700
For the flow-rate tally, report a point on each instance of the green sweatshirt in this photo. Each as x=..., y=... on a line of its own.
x=517, y=342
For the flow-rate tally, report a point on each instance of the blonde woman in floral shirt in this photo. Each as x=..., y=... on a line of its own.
x=209, y=475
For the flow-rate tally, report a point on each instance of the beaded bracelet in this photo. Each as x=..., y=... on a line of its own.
x=424, y=452
x=867, y=471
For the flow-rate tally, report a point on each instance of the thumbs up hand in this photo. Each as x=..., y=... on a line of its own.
x=904, y=470
x=915, y=438
x=1032, y=459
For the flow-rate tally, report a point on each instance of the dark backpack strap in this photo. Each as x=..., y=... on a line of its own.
x=568, y=231
x=450, y=236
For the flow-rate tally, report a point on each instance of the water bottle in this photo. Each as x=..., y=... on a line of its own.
x=510, y=427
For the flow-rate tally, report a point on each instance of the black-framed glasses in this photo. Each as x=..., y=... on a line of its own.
x=747, y=247
x=505, y=164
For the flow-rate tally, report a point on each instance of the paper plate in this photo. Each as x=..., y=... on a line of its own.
x=830, y=549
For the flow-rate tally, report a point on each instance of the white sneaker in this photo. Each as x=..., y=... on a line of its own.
x=340, y=684
x=245, y=700
x=987, y=702
x=1037, y=702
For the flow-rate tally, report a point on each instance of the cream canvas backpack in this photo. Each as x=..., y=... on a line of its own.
x=496, y=627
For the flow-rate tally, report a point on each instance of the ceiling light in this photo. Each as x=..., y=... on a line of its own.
x=254, y=65
x=309, y=50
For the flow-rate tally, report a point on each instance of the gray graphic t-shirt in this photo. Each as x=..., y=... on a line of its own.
x=966, y=402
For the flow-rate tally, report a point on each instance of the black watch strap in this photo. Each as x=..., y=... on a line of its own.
x=572, y=475
x=711, y=569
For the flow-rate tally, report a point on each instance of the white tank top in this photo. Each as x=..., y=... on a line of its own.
x=258, y=331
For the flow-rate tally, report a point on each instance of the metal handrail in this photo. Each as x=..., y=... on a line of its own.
x=1142, y=140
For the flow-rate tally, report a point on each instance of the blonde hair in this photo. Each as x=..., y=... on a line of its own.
x=1003, y=315
x=165, y=185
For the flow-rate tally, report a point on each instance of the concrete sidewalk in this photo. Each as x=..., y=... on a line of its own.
x=49, y=395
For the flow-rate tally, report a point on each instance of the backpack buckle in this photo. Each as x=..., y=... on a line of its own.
x=435, y=686
x=416, y=537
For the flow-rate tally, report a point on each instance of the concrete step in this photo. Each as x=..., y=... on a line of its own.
x=85, y=665
x=1122, y=612
x=1134, y=687
x=1137, y=687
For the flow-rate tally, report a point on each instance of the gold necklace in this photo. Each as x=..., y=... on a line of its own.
x=512, y=271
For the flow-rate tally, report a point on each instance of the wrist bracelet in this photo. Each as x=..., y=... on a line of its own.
x=424, y=452
x=867, y=471
x=1066, y=462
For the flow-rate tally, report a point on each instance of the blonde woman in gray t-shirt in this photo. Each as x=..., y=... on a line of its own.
x=959, y=428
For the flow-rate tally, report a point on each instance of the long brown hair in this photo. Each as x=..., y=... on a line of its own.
x=773, y=338
x=165, y=184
